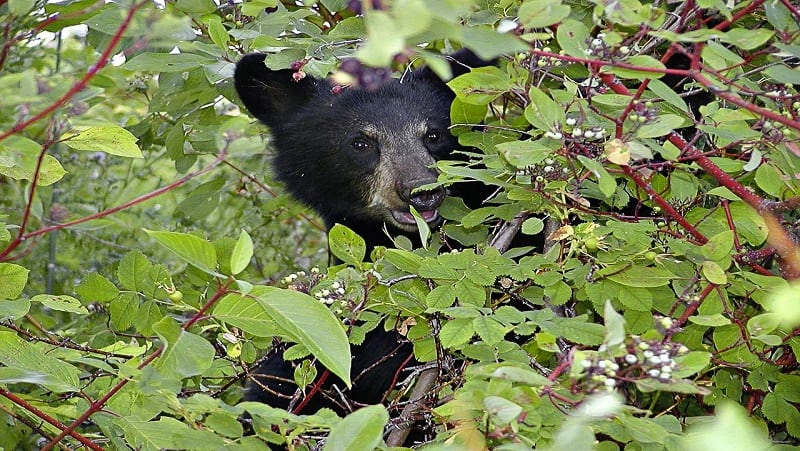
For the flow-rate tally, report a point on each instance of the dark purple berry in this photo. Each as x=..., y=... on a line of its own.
x=351, y=66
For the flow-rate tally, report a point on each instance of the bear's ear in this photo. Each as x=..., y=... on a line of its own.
x=270, y=94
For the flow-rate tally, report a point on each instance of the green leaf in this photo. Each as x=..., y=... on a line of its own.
x=456, y=332
x=714, y=273
x=245, y=313
x=190, y=248
x=674, y=386
x=185, y=354
x=12, y=280
x=242, y=253
x=502, y=409
x=605, y=181
x=166, y=62
x=663, y=125
x=31, y=365
x=11, y=310
x=96, y=288
x=572, y=36
x=526, y=153
x=481, y=85
x=691, y=363
x=643, y=61
x=346, y=245
x=543, y=112
x=532, y=226
x=542, y=13
x=133, y=271
x=362, y=429
x=18, y=159
x=61, y=303
x=310, y=324
x=719, y=246
x=20, y=7
x=577, y=330
x=615, y=327
x=642, y=276
x=384, y=39
x=110, y=139
x=489, y=329
x=715, y=320
x=441, y=297
x=643, y=429
x=747, y=38
x=404, y=260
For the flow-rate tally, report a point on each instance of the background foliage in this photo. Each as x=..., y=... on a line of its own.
x=148, y=259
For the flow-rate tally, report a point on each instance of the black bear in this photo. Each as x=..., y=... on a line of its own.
x=357, y=157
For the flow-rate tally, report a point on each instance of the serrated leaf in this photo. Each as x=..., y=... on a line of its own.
x=642, y=276
x=96, y=288
x=456, y=332
x=61, y=303
x=404, y=260
x=310, y=324
x=190, y=248
x=577, y=330
x=441, y=297
x=362, y=429
x=12, y=280
x=133, y=271
x=185, y=354
x=111, y=139
x=242, y=253
x=346, y=245
x=34, y=366
x=691, y=363
x=489, y=329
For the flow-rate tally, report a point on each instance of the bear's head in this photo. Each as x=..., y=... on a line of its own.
x=357, y=156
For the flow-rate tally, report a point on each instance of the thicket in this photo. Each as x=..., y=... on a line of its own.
x=148, y=260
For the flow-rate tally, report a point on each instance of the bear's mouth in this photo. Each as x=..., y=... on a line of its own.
x=407, y=219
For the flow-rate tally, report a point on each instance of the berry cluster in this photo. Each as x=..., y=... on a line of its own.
x=302, y=282
x=642, y=113
x=543, y=61
x=653, y=359
x=600, y=48
x=352, y=72
x=357, y=6
x=548, y=170
x=317, y=285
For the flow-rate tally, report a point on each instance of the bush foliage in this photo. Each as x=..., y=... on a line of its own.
x=148, y=260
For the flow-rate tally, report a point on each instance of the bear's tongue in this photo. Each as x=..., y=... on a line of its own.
x=405, y=217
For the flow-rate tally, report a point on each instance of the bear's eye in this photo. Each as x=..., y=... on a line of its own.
x=360, y=144
x=433, y=136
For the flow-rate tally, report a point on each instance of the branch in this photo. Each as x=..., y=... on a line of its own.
x=81, y=84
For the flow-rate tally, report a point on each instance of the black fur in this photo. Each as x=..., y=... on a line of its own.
x=341, y=154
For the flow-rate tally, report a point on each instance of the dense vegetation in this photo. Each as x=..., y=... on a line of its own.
x=649, y=150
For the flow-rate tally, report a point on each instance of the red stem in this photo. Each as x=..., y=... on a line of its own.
x=98, y=405
x=47, y=418
x=20, y=239
x=81, y=84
